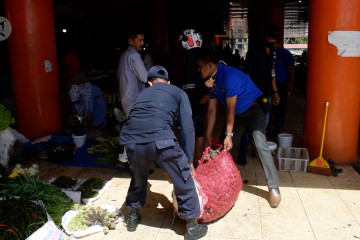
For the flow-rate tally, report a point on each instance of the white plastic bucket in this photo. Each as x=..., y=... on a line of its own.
x=272, y=147
x=79, y=141
x=285, y=140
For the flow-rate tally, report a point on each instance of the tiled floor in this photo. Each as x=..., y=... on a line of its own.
x=312, y=207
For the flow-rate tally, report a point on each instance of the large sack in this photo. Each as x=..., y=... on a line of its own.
x=219, y=183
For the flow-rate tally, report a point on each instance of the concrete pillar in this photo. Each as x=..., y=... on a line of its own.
x=334, y=76
x=34, y=67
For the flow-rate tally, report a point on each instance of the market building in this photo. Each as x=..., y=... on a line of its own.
x=33, y=35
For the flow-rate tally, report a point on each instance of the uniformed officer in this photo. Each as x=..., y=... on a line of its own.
x=148, y=136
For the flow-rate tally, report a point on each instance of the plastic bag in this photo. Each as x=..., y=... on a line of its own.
x=69, y=215
x=219, y=183
x=49, y=231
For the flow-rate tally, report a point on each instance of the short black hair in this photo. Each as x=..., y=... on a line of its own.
x=208, y=55
x=132, y=34
x=272, y=31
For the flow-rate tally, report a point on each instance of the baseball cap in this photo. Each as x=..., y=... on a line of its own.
x=158, y=72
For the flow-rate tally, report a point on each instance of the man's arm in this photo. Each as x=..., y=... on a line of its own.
x=186, y=128
x=230, y=119
x=140, y=70
x=276, y=97
x=210, y=120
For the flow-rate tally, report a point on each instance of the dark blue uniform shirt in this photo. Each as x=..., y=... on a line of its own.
x=153, y=115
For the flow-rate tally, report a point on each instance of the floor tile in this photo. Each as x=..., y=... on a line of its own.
x=237, y=226
x=335, y=228
x=173, y=224
x=247, y=202
x=172, y=236
x=348, y=177
x=348, y=192
x=309, y=180
x=123, y=234
x=318, y=193
x=325, y=209
x=289, y=207
x=232, y=238
x=285, y=228
x=354, y=208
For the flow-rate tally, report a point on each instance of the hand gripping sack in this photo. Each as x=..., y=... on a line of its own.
x=219, y=183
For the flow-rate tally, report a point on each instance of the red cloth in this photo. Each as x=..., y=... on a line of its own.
x=71, y=64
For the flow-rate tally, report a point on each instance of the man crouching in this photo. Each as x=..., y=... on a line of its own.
x=148, y=136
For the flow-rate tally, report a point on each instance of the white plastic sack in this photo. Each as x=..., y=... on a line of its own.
x=48, y=231
x=69, y=215
x=7, y=139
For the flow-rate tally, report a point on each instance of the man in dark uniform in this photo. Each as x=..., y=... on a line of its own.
x=148, y=136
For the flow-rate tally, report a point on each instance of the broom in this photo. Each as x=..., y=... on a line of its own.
x=319, y=165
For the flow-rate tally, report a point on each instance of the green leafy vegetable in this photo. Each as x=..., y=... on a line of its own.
x=32, y=188
x=5, y=118
x=19, y=218
x=64, y=182
x=90, y=187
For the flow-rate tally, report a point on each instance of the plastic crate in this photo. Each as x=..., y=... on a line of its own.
x=111, y=97
x=293, y=159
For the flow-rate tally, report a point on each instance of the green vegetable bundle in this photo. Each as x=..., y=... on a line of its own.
x=19, y=218
x=104, y=145
x=5, y=118
x=64, y=182
x=93, y=216
x=31, y=188
x=90, y=187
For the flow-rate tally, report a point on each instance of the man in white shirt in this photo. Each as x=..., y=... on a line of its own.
x=131, y=72
x=132, y=76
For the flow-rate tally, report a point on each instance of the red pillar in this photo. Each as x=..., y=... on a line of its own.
x=34, y=67
x=159, y=33
x=262, y=14
x=333, y=77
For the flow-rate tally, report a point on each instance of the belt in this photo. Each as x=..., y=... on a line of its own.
x=254, y=104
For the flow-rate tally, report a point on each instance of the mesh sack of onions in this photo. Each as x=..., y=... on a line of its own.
x=218, y=182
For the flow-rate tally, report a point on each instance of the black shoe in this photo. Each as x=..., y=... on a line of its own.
x=133, y=220
x=194, y=230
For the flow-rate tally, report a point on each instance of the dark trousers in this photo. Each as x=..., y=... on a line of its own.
x=170, y=157
x=278, y=111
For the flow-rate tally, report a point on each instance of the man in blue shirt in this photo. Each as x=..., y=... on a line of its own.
x=242, y=101
x=148, y=136
x=285, y=76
